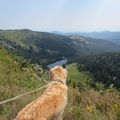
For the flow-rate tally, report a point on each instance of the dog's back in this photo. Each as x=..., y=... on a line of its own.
x=49, y=106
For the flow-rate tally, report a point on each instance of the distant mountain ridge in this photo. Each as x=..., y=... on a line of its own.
x=107, y=35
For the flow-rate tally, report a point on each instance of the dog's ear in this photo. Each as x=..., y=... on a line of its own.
x=50, y=71
x=64, y=66
x=66, y=72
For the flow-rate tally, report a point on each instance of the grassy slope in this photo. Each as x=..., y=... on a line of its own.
x=75, y=75
x=90, y=104
x=15, y=80
x=76, y=78
x=87, y=104
x=12, y=77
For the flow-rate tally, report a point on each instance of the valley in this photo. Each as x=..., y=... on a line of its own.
x=44, y=48
x=92, y=64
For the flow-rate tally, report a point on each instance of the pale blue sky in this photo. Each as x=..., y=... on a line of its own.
x=60, y=15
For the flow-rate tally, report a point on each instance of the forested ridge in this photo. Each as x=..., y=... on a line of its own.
x=43, y=48
x=105, y=68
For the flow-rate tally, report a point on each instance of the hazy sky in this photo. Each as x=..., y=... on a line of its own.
x=60, y=15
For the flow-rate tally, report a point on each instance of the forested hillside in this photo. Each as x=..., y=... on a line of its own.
x=113, y=36
x=43, y=48
x=38, y=47
x=105, y=68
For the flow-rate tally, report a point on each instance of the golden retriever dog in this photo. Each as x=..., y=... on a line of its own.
x=50, y=105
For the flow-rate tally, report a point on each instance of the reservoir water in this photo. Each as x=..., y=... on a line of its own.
x=57, y=63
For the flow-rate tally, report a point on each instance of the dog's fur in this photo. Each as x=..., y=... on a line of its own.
x=50, y=105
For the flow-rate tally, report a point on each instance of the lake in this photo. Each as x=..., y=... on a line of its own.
x=58, y=63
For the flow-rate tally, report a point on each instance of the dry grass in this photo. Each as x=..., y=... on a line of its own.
x=9, y=110
x=92, y=105
x=85, y=105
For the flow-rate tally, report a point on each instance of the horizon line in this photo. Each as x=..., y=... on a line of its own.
x=59, y=31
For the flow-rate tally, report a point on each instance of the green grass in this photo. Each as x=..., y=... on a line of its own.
x=4, y=57
x=46, y=76
x=15, y=80
x=75, y=75
x=77, y=78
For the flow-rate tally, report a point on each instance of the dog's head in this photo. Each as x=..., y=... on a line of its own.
x=58, y=73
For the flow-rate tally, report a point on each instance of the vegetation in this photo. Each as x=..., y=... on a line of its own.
x=43, y=48
x=108, y=35
x=105, y=68
x=92, y=105
x=78, y=79
x=93, y=80
x=88, y=103
x=17, y=77
x=37, y=47
x=84, y=103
